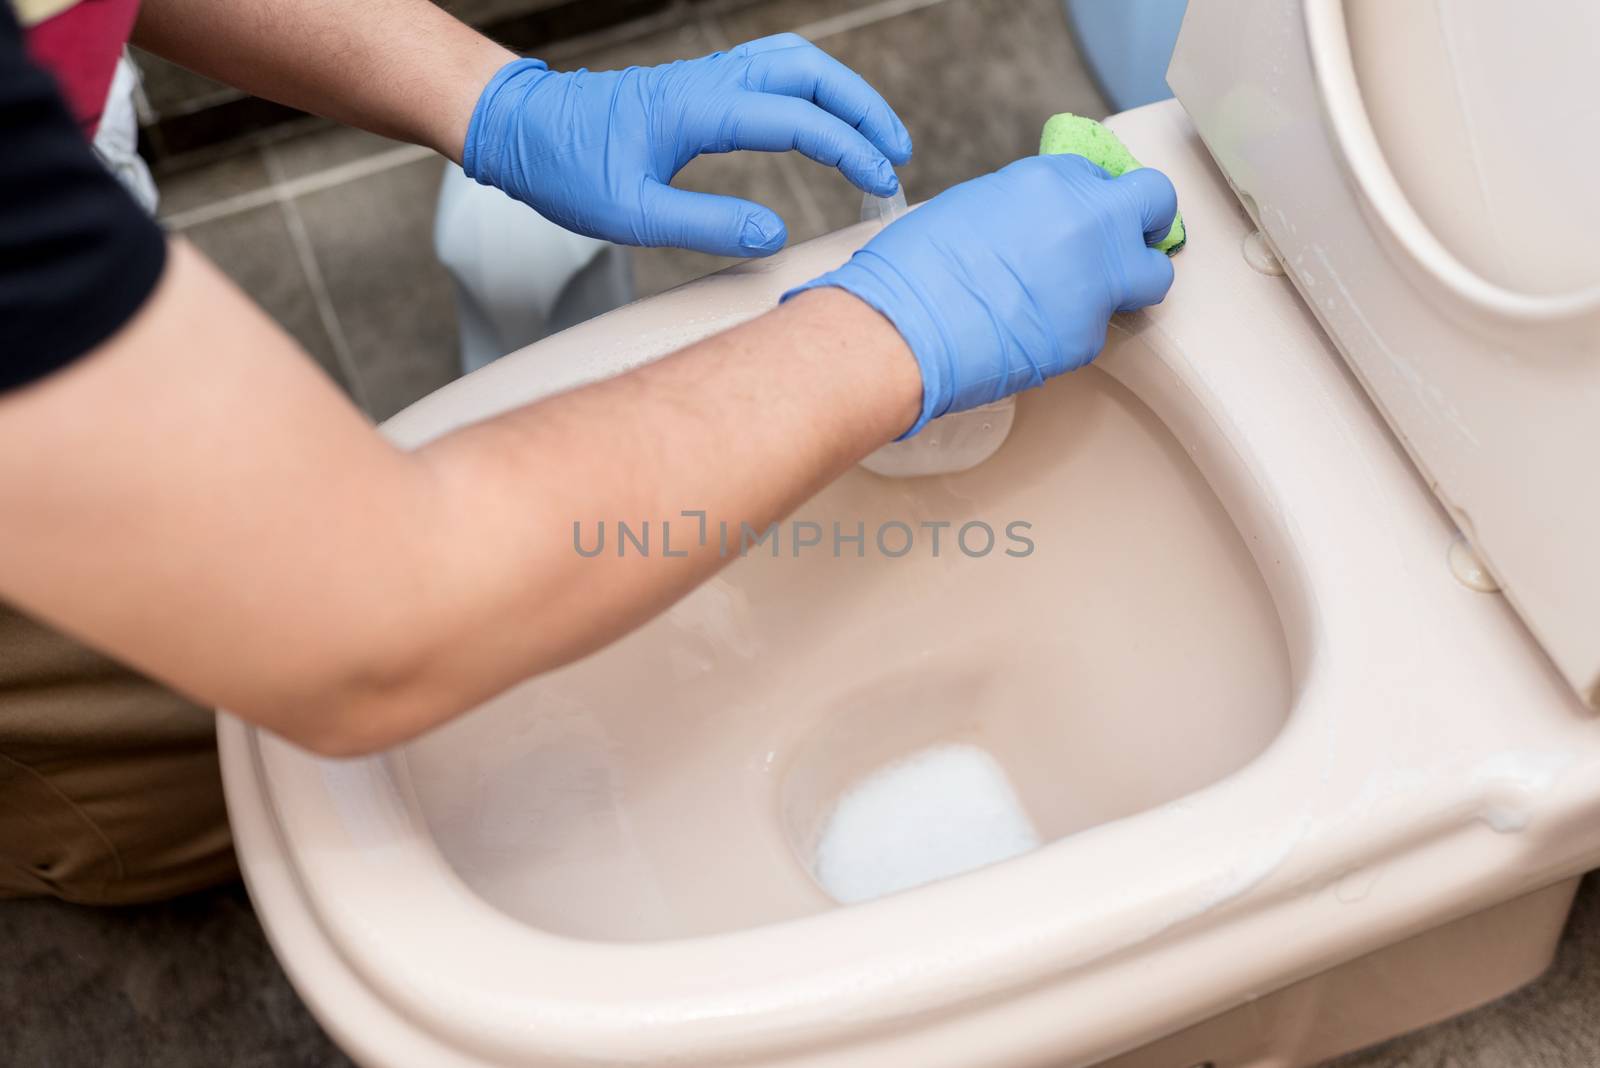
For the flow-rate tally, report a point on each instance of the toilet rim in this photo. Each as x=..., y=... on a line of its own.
x=1298, y=816
x=488, y=981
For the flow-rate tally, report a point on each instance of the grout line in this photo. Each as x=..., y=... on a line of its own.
x=284, y=193
x=220, y=209
x=862, y=17
x=281, y=189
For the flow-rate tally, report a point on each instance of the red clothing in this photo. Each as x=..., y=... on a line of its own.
x=80, y=46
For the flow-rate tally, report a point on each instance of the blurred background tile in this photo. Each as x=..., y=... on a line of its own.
x=197, y=187
x=323, y=146
x=188, y=983
x=373, y=241
x=747, y=21
x=256, y=250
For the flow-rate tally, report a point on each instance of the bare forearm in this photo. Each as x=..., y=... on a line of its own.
x=402, y=68
x=744, y=427
x=197, y=500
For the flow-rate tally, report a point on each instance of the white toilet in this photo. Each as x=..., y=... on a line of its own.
x=1243, y=764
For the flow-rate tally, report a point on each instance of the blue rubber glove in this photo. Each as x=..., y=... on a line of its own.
x=594, y=151
x=1009, y=279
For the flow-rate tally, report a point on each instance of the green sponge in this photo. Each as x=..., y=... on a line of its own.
x=1085, y=137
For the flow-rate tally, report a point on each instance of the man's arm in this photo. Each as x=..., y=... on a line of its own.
x=402, y=68
x=197, y=499
x=184, y=490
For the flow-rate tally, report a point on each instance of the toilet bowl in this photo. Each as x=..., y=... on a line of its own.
x=1202, y=754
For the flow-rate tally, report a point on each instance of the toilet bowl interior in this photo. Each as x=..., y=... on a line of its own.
x=825, y=723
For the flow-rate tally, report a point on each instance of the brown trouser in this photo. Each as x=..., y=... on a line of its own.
x=109, y=787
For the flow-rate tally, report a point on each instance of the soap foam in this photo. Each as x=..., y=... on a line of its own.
x=937, y=813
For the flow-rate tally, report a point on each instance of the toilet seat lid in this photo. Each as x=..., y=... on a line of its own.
x=1425, y=173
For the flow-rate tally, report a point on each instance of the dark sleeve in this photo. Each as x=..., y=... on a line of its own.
x=78, y=256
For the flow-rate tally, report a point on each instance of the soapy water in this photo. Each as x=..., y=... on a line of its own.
x=951, y=443
x=947, y=445
x=939, y=812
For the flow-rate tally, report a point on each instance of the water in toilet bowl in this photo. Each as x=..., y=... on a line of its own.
x=940, y=812
x=947, y=445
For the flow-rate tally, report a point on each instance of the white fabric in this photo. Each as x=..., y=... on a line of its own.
x=116, y=141
x=513, y=268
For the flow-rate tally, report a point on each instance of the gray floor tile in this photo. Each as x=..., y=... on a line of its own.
x=748, y=21
x=184, y=984
x=200, y=186
x=320, y=146
x=255, y=250
x=973, y=80
x=373, y=240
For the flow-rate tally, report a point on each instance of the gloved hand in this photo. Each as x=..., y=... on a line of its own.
x=1009, y=279
x=594, y=151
